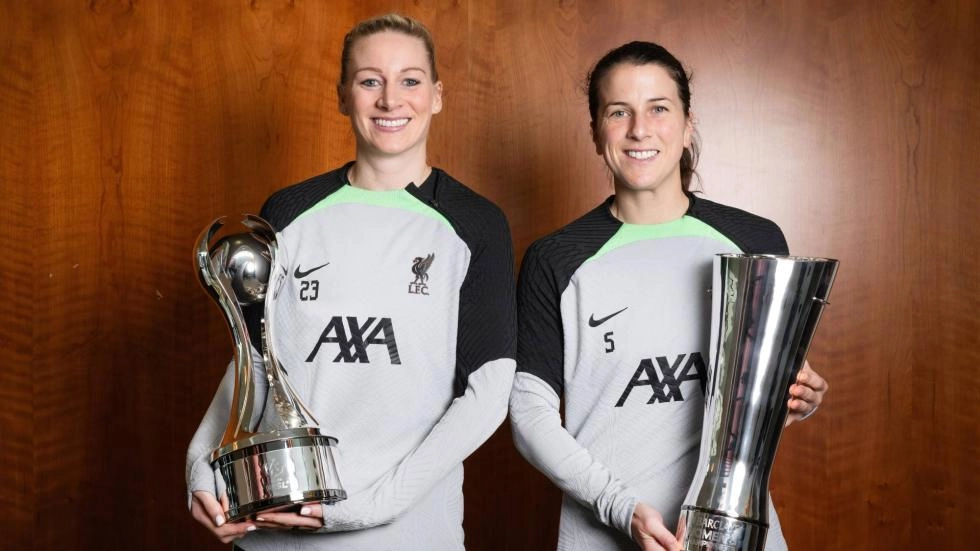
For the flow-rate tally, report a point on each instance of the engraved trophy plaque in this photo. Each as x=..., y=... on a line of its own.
x=765, y=310
x=281, y=460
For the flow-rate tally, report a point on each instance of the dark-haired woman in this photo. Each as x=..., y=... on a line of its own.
x=614, y=319
x=396, y=320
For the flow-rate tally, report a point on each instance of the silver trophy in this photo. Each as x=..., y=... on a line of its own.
x=765, y=310
x=281, y=460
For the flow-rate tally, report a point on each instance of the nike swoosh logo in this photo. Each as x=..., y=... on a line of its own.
x=300, y=274
x=597, y=322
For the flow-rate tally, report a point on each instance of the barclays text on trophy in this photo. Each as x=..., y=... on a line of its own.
x=276, y=458
x=765, y=310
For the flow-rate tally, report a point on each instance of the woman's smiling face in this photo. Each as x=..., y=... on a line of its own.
x=389, y=94
x=641, y=129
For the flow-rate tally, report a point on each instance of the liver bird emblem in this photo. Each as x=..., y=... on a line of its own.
x=420, y=267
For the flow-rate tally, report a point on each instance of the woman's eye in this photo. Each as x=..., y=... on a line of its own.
x=412, y=82
x=618, y=114
x=370, y=83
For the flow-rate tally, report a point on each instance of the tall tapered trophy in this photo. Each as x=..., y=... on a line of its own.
x=765, y=311
x=278, y=460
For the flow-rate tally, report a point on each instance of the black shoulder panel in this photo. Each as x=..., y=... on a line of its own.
x=547, y=268
x=753, y=234
x=283, y=206
x=487, y=318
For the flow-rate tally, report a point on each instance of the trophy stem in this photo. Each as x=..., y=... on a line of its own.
x=217, y=281
x=289, y=411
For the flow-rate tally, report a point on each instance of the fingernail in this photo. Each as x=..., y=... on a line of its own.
x=251, y=528
x=260, y=519
x=219, y=520
x=305, y=511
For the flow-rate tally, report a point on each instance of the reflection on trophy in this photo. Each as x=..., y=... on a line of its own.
x=765, y=310
x=280, y=460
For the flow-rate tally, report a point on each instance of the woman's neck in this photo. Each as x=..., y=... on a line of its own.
x=382, y=174
x=656, y=206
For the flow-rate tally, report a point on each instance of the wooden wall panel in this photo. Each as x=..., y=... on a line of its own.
x=128, y=126
x=17, y=273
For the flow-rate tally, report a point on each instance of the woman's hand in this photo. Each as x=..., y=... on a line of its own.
x=309, y=518
x=649, y=532
x=805, y=396
x=206, y=510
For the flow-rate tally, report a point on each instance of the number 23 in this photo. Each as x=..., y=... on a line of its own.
x=309, y=290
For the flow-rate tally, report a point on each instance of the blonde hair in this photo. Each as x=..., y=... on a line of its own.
x=388, y=22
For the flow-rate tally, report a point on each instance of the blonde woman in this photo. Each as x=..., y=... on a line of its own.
x=397, y=324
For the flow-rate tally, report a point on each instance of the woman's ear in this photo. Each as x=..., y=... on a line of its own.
x=342, y=100
x=689, y=130
x=437, y=100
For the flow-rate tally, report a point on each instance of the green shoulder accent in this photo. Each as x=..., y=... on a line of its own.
x=686, y=226
x=394, y=199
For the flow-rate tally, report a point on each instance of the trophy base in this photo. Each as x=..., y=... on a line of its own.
x=706, y=530
x=278, y=471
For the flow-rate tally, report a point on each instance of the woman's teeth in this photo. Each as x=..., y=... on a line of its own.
x=641, y=154
x=391, y=123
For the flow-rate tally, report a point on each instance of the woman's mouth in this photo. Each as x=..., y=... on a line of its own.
x=641, y=154
x=390, y=123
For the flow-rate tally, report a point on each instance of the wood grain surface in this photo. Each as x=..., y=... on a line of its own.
x=17, y=275
x=127, y=126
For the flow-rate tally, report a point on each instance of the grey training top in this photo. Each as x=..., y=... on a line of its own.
x=396, y=325
x=614, y=323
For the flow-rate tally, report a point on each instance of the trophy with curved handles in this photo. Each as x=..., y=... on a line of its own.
x=765, y=311
x=282, y=460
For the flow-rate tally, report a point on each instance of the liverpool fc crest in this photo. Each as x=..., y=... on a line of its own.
x=420, y=267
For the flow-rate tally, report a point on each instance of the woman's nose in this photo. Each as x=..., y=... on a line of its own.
x=639, y=128
x=388, y=99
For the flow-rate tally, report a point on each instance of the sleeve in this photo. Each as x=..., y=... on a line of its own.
x=468, y=422
x=534, y=403
x=198, y=472
x=485, y=369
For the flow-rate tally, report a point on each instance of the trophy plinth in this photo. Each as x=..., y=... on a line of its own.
x=765, y=310
x=280, y=460
x=278, y=471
